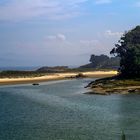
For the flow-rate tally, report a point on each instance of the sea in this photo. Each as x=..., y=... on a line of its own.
x=60, y=110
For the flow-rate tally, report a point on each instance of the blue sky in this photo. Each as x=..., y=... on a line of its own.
x=62, y=32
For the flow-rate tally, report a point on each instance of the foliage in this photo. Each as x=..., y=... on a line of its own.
x=16, y=74
x=98, y=59
x=102, y=62
x=123, y=136
x=128, y=49
x=53, y=69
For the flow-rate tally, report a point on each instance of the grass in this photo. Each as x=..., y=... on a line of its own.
x=116, y=84
x=23, y=74
x=16, y=74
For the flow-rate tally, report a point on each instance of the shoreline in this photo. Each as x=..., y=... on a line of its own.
x=56, y=76
x=107, y=86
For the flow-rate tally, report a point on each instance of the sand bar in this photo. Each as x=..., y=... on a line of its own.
x=56, y=76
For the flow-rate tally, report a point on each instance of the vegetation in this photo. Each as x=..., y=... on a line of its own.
x=16, y=74
x=43, y=72
x=102, y=62
x=128, y=49
x=123, y=136
x=128, y=79
x=114, y=84
x=63, y=69
x=53, y=69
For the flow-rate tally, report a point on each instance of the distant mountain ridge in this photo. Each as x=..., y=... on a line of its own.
x=53, y=69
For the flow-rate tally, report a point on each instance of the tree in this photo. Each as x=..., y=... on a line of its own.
x=98, y=60
x=102, y=62
x=128, y=49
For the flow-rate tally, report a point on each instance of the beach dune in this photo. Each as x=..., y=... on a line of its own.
x=56, y=76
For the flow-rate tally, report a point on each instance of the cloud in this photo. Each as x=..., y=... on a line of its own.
x=56, y=38
x=16, y=10
x=89, y=42
x=113, y=34
x=103, y=1
x=61, y=37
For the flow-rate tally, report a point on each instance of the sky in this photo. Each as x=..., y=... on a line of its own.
x=62, y=32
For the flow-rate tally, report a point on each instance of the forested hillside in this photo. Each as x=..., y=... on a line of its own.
x=102, y=62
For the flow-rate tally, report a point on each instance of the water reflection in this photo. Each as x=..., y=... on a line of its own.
x=61, y=111
x=129, y=116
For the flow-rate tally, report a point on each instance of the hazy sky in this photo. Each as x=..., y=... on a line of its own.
x=62, y=32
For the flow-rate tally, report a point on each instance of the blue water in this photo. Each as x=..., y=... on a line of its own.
x=60, y=111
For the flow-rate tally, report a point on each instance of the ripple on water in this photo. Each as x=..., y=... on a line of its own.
x=60, y=110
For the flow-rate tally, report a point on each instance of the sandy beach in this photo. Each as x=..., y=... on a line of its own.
x=56, y=76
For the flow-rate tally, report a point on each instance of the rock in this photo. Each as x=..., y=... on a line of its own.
x=35, y=84
x=80, y=75
x=132, y=90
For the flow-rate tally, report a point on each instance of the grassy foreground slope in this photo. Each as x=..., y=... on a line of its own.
x=115, y=85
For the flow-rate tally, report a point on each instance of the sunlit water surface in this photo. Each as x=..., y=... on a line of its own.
x=60, y=111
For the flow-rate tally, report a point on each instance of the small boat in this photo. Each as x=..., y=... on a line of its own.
x=35, y=84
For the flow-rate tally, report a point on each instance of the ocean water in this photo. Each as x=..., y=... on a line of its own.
x=60, y=111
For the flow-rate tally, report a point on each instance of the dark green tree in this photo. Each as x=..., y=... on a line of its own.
x=128, y=49
x=98, y=60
